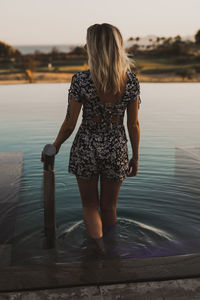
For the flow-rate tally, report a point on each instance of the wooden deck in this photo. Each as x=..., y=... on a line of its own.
x=11, y=164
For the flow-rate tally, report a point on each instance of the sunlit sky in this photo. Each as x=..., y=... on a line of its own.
x=65, y=21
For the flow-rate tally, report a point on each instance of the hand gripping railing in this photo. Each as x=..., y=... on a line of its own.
x=49, y=152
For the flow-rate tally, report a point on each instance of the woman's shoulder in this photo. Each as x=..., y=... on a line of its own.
x=81, y=75
x=132, y=77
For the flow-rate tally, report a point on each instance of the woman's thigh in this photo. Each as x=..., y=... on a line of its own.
x=109, y=191
x=88, y=189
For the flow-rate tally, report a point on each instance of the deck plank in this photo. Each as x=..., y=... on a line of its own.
x=5, y=255
x=11, y=164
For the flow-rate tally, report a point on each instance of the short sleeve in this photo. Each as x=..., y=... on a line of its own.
x=75, y=88
x=135, y=89
x=75, y=91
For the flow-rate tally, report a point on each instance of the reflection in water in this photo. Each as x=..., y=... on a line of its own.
x=187, y=167
x=158, y=210
x=128, y=239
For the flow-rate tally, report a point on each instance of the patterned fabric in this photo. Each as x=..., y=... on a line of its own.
x=100, y=147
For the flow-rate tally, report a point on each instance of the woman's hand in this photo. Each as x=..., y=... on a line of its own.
x=57, y=150
x=133, y=167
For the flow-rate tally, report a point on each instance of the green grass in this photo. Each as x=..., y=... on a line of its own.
x=162, y=65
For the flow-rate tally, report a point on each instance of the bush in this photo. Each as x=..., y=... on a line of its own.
x=157, y=71
x=186, y=73
x=56, y=69
x=181, y=60
x=80, y=51
x=7, y=51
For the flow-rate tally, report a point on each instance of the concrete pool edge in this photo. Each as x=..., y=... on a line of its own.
x=102, y=272
x=182, y=289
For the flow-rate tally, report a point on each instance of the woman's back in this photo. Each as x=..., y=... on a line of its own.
x=103, y=107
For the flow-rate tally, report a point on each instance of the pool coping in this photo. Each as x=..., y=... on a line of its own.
x=102, y=272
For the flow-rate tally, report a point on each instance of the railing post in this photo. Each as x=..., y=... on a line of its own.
x=49, y=152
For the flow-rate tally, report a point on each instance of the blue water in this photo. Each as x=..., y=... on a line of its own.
x=27, y=49
x=158, y=210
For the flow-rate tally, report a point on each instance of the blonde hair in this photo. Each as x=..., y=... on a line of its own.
x=107, y=59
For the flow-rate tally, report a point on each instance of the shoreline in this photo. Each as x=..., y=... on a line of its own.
x=39, y=77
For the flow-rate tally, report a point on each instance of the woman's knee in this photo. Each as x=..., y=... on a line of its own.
x=108, y=206
x=93, y=205
x=90, y=201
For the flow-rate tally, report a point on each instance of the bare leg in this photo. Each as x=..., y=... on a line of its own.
x=90, y=202
x=108, y=201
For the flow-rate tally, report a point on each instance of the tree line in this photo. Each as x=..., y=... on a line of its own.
x=163, y=47
x=12, y=58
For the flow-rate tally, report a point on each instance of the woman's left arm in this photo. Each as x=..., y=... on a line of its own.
x=69, y=123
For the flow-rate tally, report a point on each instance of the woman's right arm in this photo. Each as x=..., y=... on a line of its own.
x=69, y=123
x=134, y=132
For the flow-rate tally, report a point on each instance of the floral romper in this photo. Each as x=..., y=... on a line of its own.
x=100, y=147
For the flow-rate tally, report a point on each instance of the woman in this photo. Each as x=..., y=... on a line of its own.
x=99, y=149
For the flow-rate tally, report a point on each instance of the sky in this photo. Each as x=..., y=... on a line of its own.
x=30, y=22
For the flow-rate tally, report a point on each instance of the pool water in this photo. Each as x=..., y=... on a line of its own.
x=158, y=210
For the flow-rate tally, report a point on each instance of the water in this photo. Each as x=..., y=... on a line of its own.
x=158, y=210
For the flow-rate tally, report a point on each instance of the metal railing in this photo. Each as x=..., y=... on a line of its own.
x=49, y=152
